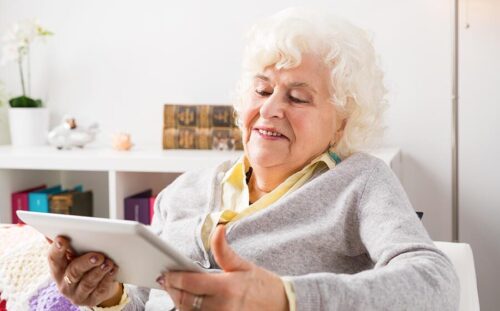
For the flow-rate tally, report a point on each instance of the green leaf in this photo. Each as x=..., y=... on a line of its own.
x=25, y=102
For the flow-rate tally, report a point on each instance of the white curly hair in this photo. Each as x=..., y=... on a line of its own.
x=357, y=88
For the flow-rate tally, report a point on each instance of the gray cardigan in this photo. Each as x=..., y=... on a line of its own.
x=348, y=239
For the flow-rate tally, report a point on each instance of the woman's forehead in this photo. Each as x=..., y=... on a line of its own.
x=311, y=72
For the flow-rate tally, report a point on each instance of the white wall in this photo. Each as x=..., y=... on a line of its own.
x=117, y=62
x=479, y=144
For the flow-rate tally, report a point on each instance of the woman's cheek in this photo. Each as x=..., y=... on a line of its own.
x=248, y=118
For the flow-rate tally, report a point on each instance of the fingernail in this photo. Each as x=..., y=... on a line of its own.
x=160, y=280
x=112, y=271
x=93, y=259
x=69, y=257
x=58, y=245
x=104, y=266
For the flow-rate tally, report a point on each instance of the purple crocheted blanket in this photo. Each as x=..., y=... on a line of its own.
x=49, y=299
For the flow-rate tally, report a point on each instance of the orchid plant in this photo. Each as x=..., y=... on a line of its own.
x=16, y=48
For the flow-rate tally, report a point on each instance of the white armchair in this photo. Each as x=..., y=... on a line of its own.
x=461, y=256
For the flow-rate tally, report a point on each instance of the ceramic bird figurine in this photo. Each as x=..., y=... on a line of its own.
x=68, y=134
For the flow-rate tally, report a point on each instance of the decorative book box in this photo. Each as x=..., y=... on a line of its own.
x=20, y=201
x=72, y=203
x=138, y=207
x=200, y=127
x=39, y=200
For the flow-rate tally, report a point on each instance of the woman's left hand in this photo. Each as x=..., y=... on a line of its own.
x=242, y=285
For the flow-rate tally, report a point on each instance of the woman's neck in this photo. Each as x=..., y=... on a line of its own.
x=263, y=181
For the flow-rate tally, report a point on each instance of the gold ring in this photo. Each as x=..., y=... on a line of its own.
x=198, y=300
x=67, y=280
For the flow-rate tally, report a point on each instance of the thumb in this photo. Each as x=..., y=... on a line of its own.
x=225, y=257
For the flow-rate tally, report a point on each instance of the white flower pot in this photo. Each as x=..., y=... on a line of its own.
x=29, y=126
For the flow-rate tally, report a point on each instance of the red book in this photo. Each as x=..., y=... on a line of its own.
x=20, y=201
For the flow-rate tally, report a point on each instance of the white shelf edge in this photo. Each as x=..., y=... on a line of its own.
x=101, y=159
x=139, y=160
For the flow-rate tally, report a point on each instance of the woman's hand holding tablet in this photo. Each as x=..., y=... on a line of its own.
x=140, y=255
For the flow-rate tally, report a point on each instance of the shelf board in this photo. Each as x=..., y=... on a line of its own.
x=107, y=159
x=140, y=159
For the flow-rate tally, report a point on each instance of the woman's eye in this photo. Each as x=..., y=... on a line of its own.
x=297, y=100
x=262, y=92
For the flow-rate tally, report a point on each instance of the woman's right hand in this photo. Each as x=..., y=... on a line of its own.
x=86, y=280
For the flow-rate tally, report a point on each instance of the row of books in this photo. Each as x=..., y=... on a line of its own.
x=139, y=207
x=54, y=199
x=75, y=201
x=200, y=127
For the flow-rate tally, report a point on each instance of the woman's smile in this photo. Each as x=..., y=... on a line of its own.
x=268, y=133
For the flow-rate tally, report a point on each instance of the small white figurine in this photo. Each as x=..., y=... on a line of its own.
x=68, y=134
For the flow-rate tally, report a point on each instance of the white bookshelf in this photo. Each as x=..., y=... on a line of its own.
x=111, y=175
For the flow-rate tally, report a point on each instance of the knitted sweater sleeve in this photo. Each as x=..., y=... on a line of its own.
x=409, y=272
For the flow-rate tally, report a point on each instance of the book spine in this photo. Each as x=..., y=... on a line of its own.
x=61, y=203
x=151, y=208
x=137, y=209
x=83, y=204
x=19, y=202
x=39, y=202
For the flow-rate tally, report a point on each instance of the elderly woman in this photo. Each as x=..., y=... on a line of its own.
x=303, y=220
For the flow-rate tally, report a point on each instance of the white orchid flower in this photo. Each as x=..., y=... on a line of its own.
x=17, y=40
x=9, y=54
x=16, y=47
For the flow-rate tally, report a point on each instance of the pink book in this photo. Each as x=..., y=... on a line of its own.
x=151, y=208
x=20, y=201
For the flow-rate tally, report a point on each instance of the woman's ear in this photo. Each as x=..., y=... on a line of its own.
x=340, y=131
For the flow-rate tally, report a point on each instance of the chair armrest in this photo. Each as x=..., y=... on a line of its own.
x=460, y=254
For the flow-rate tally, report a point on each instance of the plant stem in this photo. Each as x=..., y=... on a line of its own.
x=20, y=62
x=28, y=59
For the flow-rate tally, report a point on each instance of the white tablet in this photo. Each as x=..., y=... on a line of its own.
x=141, y=255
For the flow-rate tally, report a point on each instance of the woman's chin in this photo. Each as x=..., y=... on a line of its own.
x=266, y=158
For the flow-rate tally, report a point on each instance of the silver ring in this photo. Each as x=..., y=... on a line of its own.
x=198, y=300
x=67, y=280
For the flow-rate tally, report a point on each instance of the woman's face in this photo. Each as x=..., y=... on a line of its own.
x=288, y=118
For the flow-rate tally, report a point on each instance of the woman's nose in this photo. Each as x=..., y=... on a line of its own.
x=272, y=107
